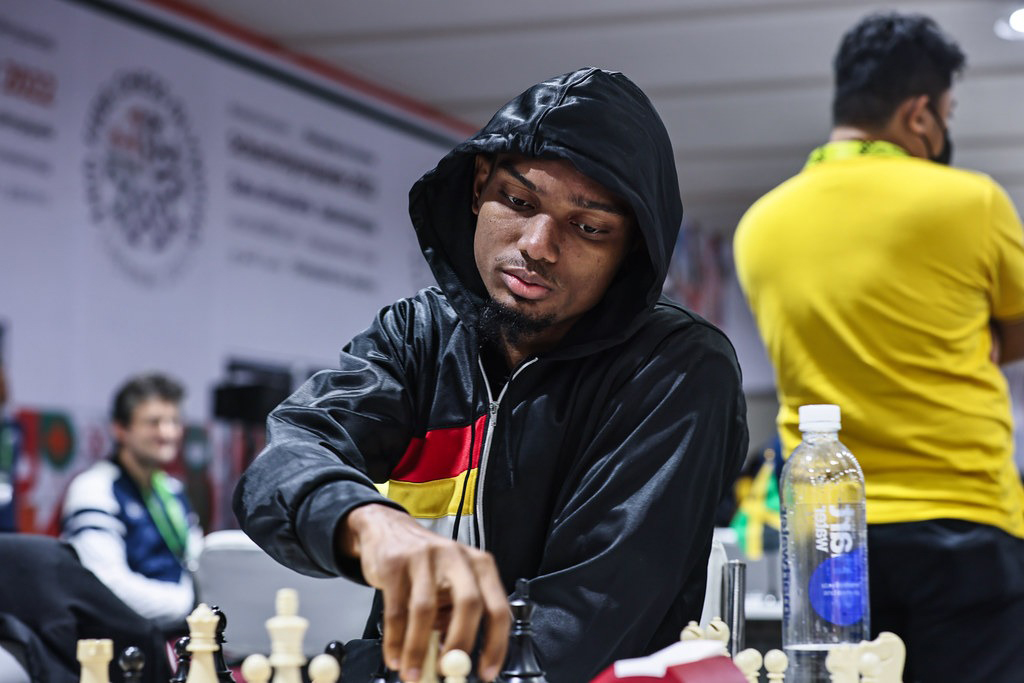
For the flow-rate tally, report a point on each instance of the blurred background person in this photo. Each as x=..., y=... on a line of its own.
x=886, y=282
x=130, y=522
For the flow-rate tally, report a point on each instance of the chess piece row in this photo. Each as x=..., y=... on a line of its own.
x=748, y=661
x=287, y=629
x=876, y=661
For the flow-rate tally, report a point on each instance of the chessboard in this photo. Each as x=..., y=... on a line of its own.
x=700, y=656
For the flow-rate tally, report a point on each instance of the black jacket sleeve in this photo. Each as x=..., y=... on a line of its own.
x=625, y=562
x=327, y=444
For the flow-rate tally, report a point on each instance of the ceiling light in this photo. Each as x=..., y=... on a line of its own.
x=1011, y=25
x=1016, y=20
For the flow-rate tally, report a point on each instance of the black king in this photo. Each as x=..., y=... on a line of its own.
x=521, y=664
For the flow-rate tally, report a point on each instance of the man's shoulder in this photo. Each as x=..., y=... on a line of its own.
x=93, y=489
x=689, y=331
x=102, y=473
x=428, y=304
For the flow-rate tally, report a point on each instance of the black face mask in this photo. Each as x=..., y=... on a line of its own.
x=945, y=155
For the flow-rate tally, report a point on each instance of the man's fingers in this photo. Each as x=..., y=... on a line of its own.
x=497, y=615
x=467, y=603
x=422, y=608
x=395, y=593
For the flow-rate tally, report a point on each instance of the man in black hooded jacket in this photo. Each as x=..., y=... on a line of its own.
x=543, y=413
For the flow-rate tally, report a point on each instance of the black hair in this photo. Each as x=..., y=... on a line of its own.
x=141, y=388
x=887, y=58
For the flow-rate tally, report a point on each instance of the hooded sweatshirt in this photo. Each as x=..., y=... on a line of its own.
x=593, y=471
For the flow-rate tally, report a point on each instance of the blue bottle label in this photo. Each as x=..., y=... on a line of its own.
x=836, y=588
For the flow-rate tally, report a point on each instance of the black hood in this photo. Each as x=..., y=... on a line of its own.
x=605, y=126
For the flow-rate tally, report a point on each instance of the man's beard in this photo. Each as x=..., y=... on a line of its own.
x=500, y=324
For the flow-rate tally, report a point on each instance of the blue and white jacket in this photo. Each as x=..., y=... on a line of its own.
x=106, y=520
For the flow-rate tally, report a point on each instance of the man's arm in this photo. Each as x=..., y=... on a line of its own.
x=625, y=562
x=90, y=525
x=103, y=553
x=310, y=502
x=1007, y=341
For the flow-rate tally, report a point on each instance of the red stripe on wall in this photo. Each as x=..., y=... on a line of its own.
x=272, y=47
x=441, y=453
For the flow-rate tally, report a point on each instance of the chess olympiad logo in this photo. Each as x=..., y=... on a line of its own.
x=143, y=176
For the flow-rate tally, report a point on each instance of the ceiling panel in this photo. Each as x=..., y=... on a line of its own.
x=743, y=85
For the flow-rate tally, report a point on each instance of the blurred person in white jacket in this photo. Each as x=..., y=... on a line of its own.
x=130, y=523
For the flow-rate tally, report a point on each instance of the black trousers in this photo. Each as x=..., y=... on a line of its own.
x=954, y=592
x=48, y=601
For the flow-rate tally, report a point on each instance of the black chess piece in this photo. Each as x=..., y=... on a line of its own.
x=336, y=649
x=131, y=662
x=521, y=663
x=220, y=666
x=182, y=658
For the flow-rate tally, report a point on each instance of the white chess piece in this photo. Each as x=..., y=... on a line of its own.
x=324, y=669
x=428, y=672
x=94, y=655
x=892, y=654
x=749, y=663
x=718, y=630
x=775, y=663
x=455, y=666
x=256, y=669
x=841, y=663
x=692, y=631
x=870, y=666
x=202, y=643
x=286, y=629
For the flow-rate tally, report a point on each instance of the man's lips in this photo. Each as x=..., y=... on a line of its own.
x=525, y=285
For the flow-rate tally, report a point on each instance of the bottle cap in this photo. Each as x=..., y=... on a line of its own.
x=819, y=418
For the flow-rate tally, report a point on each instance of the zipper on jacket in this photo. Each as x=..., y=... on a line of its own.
x=485, y=450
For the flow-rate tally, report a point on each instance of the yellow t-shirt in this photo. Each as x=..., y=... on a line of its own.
x=873, y=280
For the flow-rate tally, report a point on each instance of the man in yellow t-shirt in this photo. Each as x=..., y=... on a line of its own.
x=888, y=283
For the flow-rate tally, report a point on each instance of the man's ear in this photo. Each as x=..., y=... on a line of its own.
x=481, y=172
x=118, y=430
x=914, y=111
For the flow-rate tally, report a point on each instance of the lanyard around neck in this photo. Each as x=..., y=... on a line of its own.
x=849, y=149
x=168, y=514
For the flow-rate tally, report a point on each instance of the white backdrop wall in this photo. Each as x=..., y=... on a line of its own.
x=176, y=195
x=172, y=197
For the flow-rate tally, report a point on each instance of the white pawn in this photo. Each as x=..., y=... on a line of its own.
x=94, y=655
x=256, y=669
x=202, y=643
x=892, y=654
x=718, y=630
x=749, y=663
x=286, y=630
x=455, y=666
x=692, y=631
x=841, y=663
x=775, y=663
x=870, y=667
x=324, y=669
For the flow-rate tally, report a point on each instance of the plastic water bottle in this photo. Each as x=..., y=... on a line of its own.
x=824, y=547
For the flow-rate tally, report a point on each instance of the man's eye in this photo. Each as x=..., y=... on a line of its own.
x=588, y=230
x=516, y=201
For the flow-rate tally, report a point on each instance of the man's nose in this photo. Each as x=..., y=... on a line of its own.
x=539, y=240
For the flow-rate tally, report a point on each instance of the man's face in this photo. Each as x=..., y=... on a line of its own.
x=153, y=436
x=548, y=239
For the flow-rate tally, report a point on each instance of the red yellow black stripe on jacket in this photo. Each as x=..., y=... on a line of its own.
x=437, y=476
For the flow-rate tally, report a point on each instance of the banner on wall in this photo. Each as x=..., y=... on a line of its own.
x=176, y=198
